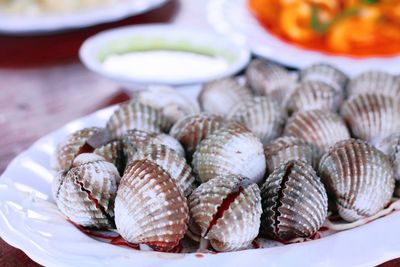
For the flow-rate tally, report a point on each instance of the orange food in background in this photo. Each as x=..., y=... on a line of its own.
x=358, y=28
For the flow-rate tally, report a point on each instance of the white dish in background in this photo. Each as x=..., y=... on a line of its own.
x=233, y=18
x=20, y=24
x=29, y=220
x=161, y=37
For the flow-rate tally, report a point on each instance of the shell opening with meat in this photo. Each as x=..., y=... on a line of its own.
x=227, y=210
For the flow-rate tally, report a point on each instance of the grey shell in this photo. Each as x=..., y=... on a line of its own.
x=325, y=73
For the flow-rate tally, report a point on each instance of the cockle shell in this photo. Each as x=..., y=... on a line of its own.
x=136, y=139
x=113, y=152
x=325, y=73
x=85, y=194
x=150, y=208
x=191, y=130
x=314, y=95
x=269, y=79
x=134, y=115
x=391, y=147
x=231, y=149
x=374, y=82
x=261, y=115
x=170, y=162
x=294, y=201
x=372, y=117
x=359, y=176
x=320, y=128
x=72, y=145
x=288, y=148
x=221, y=96
x=169, y=101
x=227, y=209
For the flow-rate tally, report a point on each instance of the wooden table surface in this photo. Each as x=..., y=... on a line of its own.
x=42, y=81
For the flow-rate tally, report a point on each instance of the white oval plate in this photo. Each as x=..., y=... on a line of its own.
x=232, y=17
x=30, y=220
x=18, y=24
x=158, y=37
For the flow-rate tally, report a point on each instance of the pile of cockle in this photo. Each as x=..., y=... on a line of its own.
x=263, y=158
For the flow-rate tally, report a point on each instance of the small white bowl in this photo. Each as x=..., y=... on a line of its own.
x=154, y=37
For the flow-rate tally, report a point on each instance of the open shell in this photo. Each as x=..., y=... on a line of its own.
x=149, y=207
x=136, y=139
x=288, y=148
x=374, y=82
x=134, y=115
x=232, y=149
x=261, y=115
x=269, y=79
x=85, y=194
x=221, y=96
x=320, y=128
x=359, y=177
x=372, y=117
x=191, y=130
x=325, y=73
x=294, y=201
x=227, y=209
x=170, y=162
x=113, y=152
x=169, y=101
x=314, y=95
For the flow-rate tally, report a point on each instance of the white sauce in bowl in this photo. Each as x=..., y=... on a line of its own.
x=166, y=65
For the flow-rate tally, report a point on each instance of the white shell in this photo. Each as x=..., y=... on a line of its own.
x=240, y=206
x=261, y=115
x=170, y=162
x=288, y=148
x=272, y=80
x=70, y=147
x=149, y=208
x=314, y=95
x=136, y=139
x=134, y=115
x=221, y=96
x=294, y=201
x=169, y=101
x=359, y=176
x=372, y=117
x=85, y=194
x=191, y=130
x=374, y=82
x=325, y=73
x=232, y=149
x=320, y=128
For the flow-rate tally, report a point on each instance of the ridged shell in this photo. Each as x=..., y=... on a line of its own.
x=134, y=115
x=320, y=128
x=136, y=139
x=263, y=116
x=70, y=147
x=314, y=95
x=150, y=208
x=85, y=194
x=268, y=79
x=191, y=130
x=325, y=73
x=288, y=148
x=232, y=149
x=372, y=117
x=227, y=212
x=169, y=101
x=391, y=147
x=113, y=152
x=172, y=163
x=374, y=82
x=294, y=201
x=360, y=178
x=221, y=96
